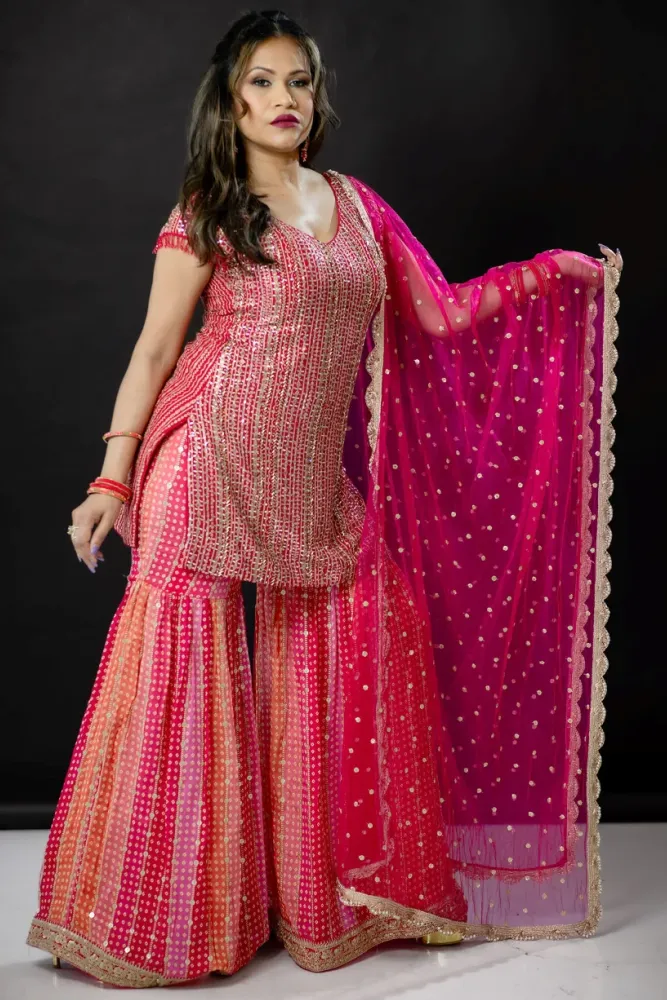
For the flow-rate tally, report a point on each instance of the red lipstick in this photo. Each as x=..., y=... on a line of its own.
x=285, y=121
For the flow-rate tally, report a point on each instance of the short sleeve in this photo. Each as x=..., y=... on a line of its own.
x=174, y=233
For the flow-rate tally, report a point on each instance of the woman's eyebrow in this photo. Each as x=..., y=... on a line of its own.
x=267, y=70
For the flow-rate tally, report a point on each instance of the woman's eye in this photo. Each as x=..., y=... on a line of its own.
x=260, y=81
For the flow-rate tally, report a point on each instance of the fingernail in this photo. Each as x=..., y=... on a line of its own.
x=94, y=548
x=92, y=569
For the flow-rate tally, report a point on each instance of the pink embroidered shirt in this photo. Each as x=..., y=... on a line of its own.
x=265, y=389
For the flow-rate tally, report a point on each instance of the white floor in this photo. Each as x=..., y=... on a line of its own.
x=626, y=959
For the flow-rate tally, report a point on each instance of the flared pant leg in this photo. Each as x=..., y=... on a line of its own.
x=154, y=870
x=303, y=640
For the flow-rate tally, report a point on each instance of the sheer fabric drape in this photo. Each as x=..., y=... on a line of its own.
x=481, y=442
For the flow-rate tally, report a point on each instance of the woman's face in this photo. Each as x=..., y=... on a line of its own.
x=278, y=89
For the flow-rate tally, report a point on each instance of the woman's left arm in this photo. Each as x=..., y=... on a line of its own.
x=441, y=308
x=570, y=263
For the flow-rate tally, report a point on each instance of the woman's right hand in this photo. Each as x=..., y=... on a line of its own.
x=93, y=520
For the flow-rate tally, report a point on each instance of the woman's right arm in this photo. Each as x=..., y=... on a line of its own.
x=178, y=282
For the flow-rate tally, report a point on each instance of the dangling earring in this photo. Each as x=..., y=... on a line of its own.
x=304, y=150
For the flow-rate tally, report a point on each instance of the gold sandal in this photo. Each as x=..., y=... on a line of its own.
x=442, y=937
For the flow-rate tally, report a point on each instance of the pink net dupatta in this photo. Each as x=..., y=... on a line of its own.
x=470, y=720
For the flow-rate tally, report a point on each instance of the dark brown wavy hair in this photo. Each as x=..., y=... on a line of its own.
x=215, y=191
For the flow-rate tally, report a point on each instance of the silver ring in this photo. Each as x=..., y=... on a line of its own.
x=71, y=531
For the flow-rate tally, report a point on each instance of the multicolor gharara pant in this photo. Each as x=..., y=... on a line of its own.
x=195, y=816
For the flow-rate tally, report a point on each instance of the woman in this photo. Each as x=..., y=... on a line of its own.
x=416, y=476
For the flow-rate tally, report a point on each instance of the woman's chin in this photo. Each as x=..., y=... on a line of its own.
x=283, y=144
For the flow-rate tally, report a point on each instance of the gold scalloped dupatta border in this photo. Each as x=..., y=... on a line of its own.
x=375, y=357
x=612, y=277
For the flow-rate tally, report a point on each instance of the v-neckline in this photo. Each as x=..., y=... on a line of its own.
x=309, y=236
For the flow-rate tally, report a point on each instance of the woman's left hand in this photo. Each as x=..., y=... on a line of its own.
x=588, y=269
x=614, y=259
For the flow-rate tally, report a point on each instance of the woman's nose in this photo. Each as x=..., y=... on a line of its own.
x=286, y=96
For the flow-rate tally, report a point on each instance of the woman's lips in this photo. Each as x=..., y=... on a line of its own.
x=285, y=123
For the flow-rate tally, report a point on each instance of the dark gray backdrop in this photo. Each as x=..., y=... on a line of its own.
x=495, y=129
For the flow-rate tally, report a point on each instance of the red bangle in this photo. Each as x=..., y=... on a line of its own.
x=112, y=483
x=103, y=485
x=107, y=492
x=542, y=276
x=119, y=488
x=517, y=285
x=130, y=434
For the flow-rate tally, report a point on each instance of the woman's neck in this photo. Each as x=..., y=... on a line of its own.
x=271, y=171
